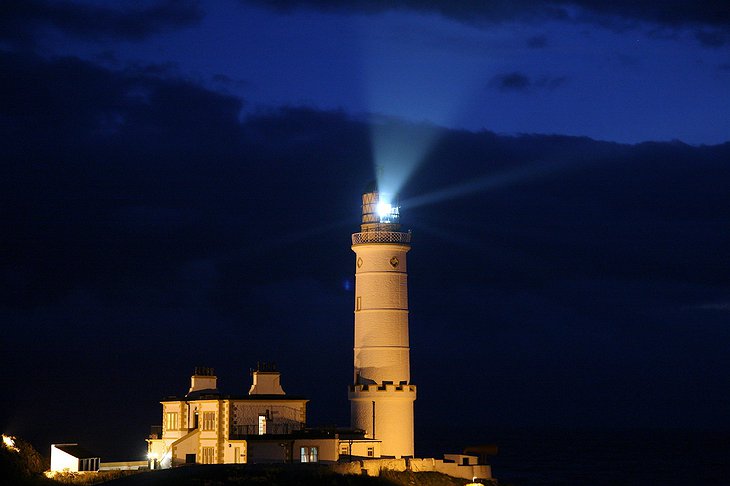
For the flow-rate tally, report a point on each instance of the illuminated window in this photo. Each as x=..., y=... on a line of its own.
x=171, y=421
x=371, y=451
x=208, y=420
x=207, y=456
x=262, y=424
x=309, y=454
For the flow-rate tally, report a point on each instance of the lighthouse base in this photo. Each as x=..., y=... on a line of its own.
x=385, y=413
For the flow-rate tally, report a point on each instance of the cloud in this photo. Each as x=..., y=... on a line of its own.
x=715, y=306
x=713, y=39
x=537, y=42
x=698, y=15
x=140, y=209
x=462, y=10
x=118, y=179
x=511, y=82
x=19, y=19
x=517, y=81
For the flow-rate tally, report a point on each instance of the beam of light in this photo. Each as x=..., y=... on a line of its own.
x=406, y=96
x=484, y=183
x=398, y=149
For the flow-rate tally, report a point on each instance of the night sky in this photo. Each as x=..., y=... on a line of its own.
x=179, y=182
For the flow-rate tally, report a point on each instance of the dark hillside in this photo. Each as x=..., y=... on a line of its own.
x=260, y=475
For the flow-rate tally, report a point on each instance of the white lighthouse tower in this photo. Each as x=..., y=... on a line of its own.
x=381, y=398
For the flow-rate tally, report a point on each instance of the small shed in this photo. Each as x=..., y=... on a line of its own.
x=73, y=458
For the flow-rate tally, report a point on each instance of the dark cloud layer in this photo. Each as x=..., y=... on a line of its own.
x=537, y=42
x=146, y=229
x=20, y=19
x=708, y=14
x=517, y=81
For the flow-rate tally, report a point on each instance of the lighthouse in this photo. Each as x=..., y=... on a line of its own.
x=382, y=395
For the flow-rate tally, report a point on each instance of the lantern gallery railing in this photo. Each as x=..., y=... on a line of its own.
x=381, y=237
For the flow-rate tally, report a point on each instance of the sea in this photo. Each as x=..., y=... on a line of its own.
x=599, y=457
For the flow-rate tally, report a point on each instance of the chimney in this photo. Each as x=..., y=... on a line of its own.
x=266, y=380
x=203, y=379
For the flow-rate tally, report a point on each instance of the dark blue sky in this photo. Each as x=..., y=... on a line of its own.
x=179, y=182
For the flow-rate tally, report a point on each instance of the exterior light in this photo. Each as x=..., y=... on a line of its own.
x=9, y=442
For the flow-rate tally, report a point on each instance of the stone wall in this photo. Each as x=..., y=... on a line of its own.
x=372, y=467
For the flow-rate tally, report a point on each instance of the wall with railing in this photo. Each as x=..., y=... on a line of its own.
x=241, y=431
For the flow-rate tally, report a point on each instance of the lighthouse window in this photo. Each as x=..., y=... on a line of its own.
x=358, y=304
x=371, y=451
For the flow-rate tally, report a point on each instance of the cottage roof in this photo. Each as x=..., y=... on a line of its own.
x=76, y=451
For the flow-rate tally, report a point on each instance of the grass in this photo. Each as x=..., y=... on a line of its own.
x=279, y=475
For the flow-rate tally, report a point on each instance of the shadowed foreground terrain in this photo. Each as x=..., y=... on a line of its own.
x=279, y=475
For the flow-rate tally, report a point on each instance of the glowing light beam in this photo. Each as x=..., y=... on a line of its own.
x=398, y=149
x=487, y=182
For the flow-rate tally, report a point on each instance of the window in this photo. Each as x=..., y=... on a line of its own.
x=262, y=424
x=358, y=304
x=343, y=449
x=309, y=454
x=171, y=421
x=208, y=420
x=208, y=453
x=371, y=451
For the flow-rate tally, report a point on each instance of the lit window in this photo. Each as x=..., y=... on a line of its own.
x=171, y=421
x=262, y=424
x=208, y=420
x=309, y=454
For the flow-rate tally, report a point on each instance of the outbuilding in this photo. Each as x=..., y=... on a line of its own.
x=73, y=458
